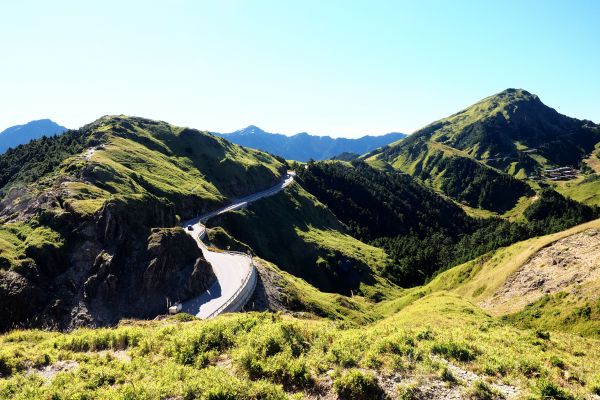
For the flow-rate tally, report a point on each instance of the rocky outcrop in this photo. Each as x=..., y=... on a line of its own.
x=176, y=270
x=112, y=266
x=567, y=265
x=20, y=297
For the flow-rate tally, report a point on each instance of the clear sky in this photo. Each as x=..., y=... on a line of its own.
x=343, y=68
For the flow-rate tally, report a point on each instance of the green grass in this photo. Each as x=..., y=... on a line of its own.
x=258, y=355
x=166, y=161
x=140, y=156
x=478, y=280
x=488, y=139
x=261, y=355
x=299, y=295
x=301, y=236
x=137, y=158
x=585, y=189
x=20, y=241
x=562, y=311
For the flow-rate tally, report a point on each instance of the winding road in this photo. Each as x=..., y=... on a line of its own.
x=235, y=272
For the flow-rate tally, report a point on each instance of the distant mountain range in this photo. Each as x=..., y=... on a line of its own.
x=304, y=146
x=21, y=134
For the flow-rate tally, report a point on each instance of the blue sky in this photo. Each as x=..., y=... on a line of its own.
x=343, y=68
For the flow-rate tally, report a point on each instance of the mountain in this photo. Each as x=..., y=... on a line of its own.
x=303, y=146
x=370, y=283
x=89, y=219
x=89, y=223
x=480, y=156
x=21, y=134
x=464, y=335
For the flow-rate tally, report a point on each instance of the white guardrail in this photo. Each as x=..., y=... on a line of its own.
x=241, y=296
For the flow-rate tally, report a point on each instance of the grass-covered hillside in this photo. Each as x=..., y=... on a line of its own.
x=480, y=155
x=421, y=231
x=586, y=188
x=301, y=236
x=371, y=285
x=547, y=282
x=77, y=212
x=477, y=331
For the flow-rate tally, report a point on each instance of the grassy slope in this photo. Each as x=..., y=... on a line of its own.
x=584, y=189
x=302, y=296
x=169, y=161
x=304, y=238
x=490, y=139
x=19, y=240
x=271, y=356
x=138, y=158
x=251, y=356
x=299, y=295
x=478, y=280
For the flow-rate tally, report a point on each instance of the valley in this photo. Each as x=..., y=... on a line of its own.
x=431, y=267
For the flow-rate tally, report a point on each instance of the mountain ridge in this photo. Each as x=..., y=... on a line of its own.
x=508, y=136
x=304, y=146
x=22, y=134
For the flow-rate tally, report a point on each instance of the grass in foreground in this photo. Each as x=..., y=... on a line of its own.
x=439, y=338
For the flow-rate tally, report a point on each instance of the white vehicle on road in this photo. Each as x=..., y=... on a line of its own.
x=175, y=308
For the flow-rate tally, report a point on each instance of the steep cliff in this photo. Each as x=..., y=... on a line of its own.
x=87, y=219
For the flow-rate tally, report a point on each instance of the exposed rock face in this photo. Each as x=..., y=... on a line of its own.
x=19, y=297
x=177, y=268
x=565, y=265
x=114, y=266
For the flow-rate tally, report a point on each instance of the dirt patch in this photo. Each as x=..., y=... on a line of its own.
x=468, y=378
x=562, y=266
x=120, y=355
x=49, y=371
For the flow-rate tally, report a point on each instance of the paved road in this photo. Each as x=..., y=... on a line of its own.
x=231, y=269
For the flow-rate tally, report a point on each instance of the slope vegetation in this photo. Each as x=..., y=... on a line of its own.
x=548, y=282
x=78, y=212
x=418, y=353
x=475, y=156
x=422, y=231
x=301, y=236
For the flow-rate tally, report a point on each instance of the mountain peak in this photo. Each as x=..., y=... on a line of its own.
x=512, y=95
x=250, y=130
x=21, y=134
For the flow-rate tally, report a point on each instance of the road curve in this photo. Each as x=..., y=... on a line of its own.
x=235, y=272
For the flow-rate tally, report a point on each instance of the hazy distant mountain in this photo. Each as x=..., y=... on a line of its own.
x=21, y=134
x=304, y=146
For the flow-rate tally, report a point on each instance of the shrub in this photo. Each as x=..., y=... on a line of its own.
x=550, y=390
x=458, y=351
x=529, y=368
x=542, y=334
x=557, y=362
x=482, y=391
x=425, y=334
x=408, y=392
x=5, y=367
x=354, y=384
x=446, y=375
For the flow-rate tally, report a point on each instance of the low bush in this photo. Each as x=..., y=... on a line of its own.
x=550, y=390
x=458, y=351
x=355, y=384
x=482, y=391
